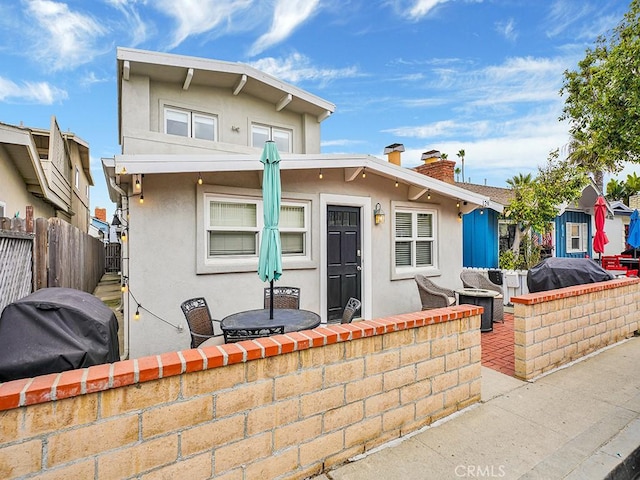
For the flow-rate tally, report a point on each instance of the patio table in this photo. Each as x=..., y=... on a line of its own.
x=482, y=298
x=252, y=321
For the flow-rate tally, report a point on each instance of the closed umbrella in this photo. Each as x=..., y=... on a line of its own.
x=270, y=259
x=633, y=239
x=600, y=238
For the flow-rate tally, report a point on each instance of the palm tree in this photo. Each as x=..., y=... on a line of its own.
x=519, y=180
x=617, y=191
x=457, y=172
x=461, y=156
x=632, y=185
x=579, y=154
x=444, y=156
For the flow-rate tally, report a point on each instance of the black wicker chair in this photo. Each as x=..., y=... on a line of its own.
x=196, y=311
x=283, y=297
x=432, y=295
x=353, y=305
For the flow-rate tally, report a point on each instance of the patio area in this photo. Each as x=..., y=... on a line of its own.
x=498, y=347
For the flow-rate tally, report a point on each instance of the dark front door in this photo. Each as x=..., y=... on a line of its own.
x=343, y=259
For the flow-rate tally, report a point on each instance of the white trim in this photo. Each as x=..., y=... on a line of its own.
x=366, y=221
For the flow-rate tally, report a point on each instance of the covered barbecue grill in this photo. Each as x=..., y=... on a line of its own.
x=53, y=330
x=558, y=272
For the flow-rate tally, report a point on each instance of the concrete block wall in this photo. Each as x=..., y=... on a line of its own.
x=281, y=407
x=555, y=327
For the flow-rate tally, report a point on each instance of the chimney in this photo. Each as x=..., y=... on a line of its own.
x=393, y=151
x=101, y=214
x=435, y=167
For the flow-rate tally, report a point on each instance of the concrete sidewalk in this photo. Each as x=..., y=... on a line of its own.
x=576, y=423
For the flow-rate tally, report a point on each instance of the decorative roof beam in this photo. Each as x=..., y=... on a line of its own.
x=284, y=101
x=324, y=116
x=350, y=174
x=187, y=81
x=416, y=192
x=126, y=68
x=240, y=85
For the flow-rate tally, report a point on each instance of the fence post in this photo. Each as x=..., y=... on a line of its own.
x=40, y=255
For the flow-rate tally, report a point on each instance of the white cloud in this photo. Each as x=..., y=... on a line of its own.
x=297, y=68
x=136, y=27
x=195, y=17
x=91, y=78
x=64, y=38
x=421, y=8
x=507, y=29
x=287, y=16
x=564, y=13
x=30, y=92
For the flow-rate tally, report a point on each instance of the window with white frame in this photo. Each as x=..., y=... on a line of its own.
x=262, y=133
x=234, y=226
x=576, y=237
x=77, y=178
x=414, y=242
x=186, y=123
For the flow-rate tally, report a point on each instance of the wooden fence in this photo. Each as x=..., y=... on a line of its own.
x=46, y=253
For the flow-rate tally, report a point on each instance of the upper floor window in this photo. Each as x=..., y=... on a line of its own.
x=262, y=133
x=414, y=241
x=190, y=124
x=576, y=237
x=77, y=178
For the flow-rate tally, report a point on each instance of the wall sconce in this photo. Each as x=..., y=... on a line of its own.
x=378, y=214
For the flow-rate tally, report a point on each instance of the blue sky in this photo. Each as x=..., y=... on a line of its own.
x=478, y=75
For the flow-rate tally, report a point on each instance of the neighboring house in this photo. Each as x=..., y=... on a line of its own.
x=617, y=228
x=188, y=184
x=47, y=169
x=99, y=229
x=486, y=233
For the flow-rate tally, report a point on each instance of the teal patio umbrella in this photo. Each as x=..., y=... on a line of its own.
x=270, y=259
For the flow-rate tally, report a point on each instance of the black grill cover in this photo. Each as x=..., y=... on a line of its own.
x=556, y=272
x=53, y=330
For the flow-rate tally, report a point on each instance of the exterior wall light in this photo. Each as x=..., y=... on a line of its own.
x=378, y=214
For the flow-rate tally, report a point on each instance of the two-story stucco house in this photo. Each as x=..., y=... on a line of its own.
x=188, y=183
x=48, y=170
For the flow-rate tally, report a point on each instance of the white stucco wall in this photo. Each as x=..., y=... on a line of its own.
x=162, y=253
x=143, y=102
x=14, y=194
x=615, y=233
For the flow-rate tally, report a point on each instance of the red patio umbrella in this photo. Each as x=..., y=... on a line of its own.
x=600, y=238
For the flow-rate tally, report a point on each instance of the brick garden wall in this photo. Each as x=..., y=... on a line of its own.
x=288, y=406
x=555, y=327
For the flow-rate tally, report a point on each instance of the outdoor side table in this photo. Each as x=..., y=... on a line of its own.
x=246, y=323
x=482, y=298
